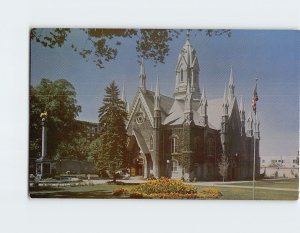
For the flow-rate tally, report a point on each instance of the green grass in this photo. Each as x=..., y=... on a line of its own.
x=104, y=191
x=230, y=193
x=286, y=183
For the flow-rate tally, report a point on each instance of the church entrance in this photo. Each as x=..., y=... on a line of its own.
x=137, y=167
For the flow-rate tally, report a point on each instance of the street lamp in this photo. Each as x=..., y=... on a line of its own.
x=168, y=161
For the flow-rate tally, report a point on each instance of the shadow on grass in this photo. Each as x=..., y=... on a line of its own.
x=99, y=194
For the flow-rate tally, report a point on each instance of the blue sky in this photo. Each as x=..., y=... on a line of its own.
x=270, y=56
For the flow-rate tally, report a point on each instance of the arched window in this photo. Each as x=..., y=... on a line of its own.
x=151, y=143
x=181, y=75
x=174, y=165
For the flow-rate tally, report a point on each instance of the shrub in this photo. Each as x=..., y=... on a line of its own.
x=119, y=192
x=165, y=185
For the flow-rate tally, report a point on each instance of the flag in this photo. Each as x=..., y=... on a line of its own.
x=255, y=98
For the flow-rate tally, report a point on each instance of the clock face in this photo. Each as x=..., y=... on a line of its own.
x=139, y=117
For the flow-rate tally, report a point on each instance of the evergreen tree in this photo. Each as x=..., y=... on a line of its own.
x=112, y=117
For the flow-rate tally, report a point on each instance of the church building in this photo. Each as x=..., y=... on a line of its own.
x=184, y=136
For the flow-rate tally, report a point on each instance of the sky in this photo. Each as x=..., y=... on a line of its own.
x=271, y=56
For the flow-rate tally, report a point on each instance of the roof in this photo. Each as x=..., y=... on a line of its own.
x=141, y=142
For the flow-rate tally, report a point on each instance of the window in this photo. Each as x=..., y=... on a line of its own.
x=174, y=165
x=173, y=145
x=211, y=149
x=151, y=143
x=181, y=75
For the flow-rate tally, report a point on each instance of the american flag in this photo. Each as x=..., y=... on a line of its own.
x=255, y=98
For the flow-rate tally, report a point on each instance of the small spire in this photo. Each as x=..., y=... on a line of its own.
x=231, y=86
x=123, y=97
x=225, y=98
x=188, y=34
x=231, y=81
x=142, y=67
x=157, y=96
x=142, y=76
x=242, y=108
x=157, y=90
x=151, y=88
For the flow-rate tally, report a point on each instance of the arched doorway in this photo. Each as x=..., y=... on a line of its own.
x=140, y=158
x=137, y=167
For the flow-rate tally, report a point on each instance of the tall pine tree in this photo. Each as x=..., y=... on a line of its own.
x=112, y=118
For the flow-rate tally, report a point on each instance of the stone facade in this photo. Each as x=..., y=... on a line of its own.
x=184, y=136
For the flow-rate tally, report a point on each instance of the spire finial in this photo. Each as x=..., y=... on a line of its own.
x=188, y=34
x=123, y=97
x=231, y=82
x=142, y=76
x=225, y=95
x=157, y=96
x=157, y=90
x=242, y=108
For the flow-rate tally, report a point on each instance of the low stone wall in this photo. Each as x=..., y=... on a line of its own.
x=282, y=172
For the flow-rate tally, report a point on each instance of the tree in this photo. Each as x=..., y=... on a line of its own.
x=223, y=166
x=58, y=99
x=101, y=45
x=76, y=149
x=113, y=139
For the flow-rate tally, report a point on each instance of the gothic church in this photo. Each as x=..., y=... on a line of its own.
x=185, y=135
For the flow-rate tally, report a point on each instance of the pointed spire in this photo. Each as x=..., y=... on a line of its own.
x=157, y=96
x=225, y=102
x=242, y=107
x=231, y=86
x=123, y=97
x=142, y=71
x=157, y=90
x=231, y=82
x=142, y=76
x=151, y=88
x=225, y=98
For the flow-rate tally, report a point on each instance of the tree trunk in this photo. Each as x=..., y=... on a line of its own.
x=223, y=178
x=114, y=178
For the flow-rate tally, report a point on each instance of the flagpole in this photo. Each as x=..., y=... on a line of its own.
x=254, y=139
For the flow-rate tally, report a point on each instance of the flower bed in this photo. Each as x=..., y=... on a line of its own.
x=164, y=188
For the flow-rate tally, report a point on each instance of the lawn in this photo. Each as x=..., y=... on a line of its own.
x=284, y=183
x=104, y=191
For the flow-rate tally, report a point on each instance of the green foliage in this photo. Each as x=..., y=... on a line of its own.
x=58, y=99
x=113, y=139
x=102, y=44
x=223, y=166
x=76, y=149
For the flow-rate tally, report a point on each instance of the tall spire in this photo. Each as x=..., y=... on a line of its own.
x=187, y=70
x=242, y=116
x=231, y=86
x=157, y=96
x=142, y=76
x=225, y=101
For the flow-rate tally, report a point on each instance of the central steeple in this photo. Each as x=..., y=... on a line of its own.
x=187, y=71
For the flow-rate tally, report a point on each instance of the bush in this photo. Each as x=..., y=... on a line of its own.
x=165, y=185
x=119, y=192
